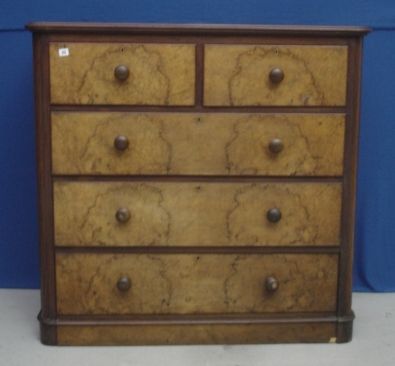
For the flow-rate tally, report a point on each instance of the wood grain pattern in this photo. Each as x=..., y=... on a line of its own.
x=222, y=218
x=189, y=283
x=237, y=75
x=196, y=334
x=197, y=144
x=160, y=74
x=196, y=213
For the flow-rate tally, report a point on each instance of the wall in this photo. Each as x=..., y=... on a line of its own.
x=375, y=236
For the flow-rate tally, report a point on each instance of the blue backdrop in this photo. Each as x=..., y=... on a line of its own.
x=374, y=268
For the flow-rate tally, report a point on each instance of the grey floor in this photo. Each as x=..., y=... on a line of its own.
x=373, y=343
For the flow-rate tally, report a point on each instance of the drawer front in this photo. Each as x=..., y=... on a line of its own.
x=94, y=73
x=168, y=213
x=197, y=144
x=253, y=75
x=194, y=283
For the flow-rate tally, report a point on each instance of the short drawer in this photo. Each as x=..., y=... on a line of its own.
x=197, y=144
x=168, y=213
x=195, y=283
x=254, y=75
x=119, y=73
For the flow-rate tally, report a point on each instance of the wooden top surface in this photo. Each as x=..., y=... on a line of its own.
x=219, y=29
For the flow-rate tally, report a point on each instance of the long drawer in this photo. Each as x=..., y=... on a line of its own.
x=190, y=283
x=214, y=213
x=197, y=144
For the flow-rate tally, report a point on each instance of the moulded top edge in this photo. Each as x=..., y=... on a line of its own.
x=215, y=29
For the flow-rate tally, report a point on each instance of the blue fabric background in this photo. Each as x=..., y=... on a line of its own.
x=375, y=237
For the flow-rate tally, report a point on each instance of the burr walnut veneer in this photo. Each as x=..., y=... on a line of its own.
x=197, y=183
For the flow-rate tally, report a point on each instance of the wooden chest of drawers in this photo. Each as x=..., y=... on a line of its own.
x=197, y=183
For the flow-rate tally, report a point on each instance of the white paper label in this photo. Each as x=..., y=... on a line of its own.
x=63, y=52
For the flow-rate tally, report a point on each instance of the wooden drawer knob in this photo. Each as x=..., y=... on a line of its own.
x=276, y=75
x=122, y=215
x=124, y=284
x=271, y=284
x=276, y=146
x=121, y=143
x=273, y=215
x=121, y=72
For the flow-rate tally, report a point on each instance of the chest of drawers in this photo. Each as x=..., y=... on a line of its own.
x=196, y=183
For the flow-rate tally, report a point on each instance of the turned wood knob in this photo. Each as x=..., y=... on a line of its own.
x=121, y=143
x=273, y=215
x=124, y=284
x=276, y=146
x=122, y=215
x=121, y=72
x=271, y=284
x=276, y=75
